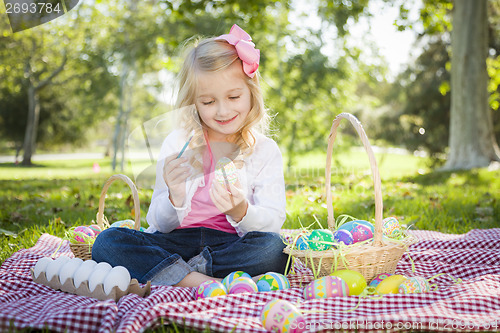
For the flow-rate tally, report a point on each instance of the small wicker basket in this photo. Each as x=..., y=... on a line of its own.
x=84, y=251
x=370, y=259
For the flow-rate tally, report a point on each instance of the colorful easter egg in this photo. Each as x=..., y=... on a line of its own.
x=281, y=316
x=361, y=233
x=225, y=169
x=414, y=285
x=320, y=239
x=390, y=226
x=243, y=285
x=210, y=288
x=272, y=281
x=124, y=224
x=83, y=234
x=234, y=275
x=301, y=243
x=355, y=280
x=326, y=286
x=377, y=279
x=390, y=285
x=95, y=228
x=349, y=226
x=343, y=236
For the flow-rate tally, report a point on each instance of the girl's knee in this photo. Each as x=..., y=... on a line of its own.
x=104, y=243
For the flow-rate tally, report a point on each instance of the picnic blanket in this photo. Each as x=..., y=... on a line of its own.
x=472, y=305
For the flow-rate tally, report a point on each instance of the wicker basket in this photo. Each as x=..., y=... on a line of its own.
x=368, y=258
x=84, y=251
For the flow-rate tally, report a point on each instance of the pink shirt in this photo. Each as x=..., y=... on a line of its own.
x=203, y=211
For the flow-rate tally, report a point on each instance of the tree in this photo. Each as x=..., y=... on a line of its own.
x=472, y=141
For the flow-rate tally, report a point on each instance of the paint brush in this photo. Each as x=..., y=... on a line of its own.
x=185, y=146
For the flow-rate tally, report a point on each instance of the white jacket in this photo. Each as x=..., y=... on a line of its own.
x=261, y=178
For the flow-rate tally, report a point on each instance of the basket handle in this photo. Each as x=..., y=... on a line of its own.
x=375, y=174
x=137, y=207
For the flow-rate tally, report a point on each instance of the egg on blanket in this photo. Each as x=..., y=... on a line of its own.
x=243, y=285
x=390, y=226
x=325, y=287
x=272, y=281
x=225, y=167
x=55, y=266
x=320, y=240
x=390, y=285
x=118, y=276
x=361, y=233
x=343, y=236
x=281, y=316
x=377, y=279
x=41, y=266
x=233, y=275
x=354, y=279
x=98, y=275
x=68, y=269
x=210, y=288
x=83, y=272
x=414, y=285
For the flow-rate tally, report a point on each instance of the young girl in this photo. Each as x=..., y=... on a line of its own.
x=200, y=228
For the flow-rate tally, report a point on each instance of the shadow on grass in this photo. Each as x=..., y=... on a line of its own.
x=472, y=177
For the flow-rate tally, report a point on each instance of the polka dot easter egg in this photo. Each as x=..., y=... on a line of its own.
x=414, y=285
x=243, y=285
x=349, y=226
x=390, y=226
x=377, y=279
x=320, y=240
x=361, y=233
x=210, y=288
x=225, y=169
x=326, y=286
x=281, y=316
x=272, y=281
x=232, y=276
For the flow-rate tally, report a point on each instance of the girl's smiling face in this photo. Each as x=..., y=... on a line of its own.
x=223, y=101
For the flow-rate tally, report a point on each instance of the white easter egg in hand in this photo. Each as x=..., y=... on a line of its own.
x=83, y=272
x=41, y=265
x=55, y=266
x=68, y=269
x=118, y=276
x=98, y=274
x=225, y=170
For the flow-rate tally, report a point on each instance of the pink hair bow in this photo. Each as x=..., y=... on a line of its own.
x=245, y=48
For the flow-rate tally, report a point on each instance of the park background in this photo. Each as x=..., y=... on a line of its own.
x=83, y=82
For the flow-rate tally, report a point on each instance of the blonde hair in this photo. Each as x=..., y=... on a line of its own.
x=211, y=55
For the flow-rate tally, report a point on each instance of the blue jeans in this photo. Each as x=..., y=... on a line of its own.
x=165, y=259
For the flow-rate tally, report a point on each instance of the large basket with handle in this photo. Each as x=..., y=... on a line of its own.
x=369, y=258
x=84, y=251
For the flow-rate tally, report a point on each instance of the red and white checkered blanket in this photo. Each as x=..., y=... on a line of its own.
x=473, y=305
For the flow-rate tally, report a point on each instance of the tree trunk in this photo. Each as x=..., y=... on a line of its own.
x=32, y=125
x=472, y=142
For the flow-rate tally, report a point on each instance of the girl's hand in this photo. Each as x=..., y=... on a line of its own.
x=175, y=175
x=232, y=202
